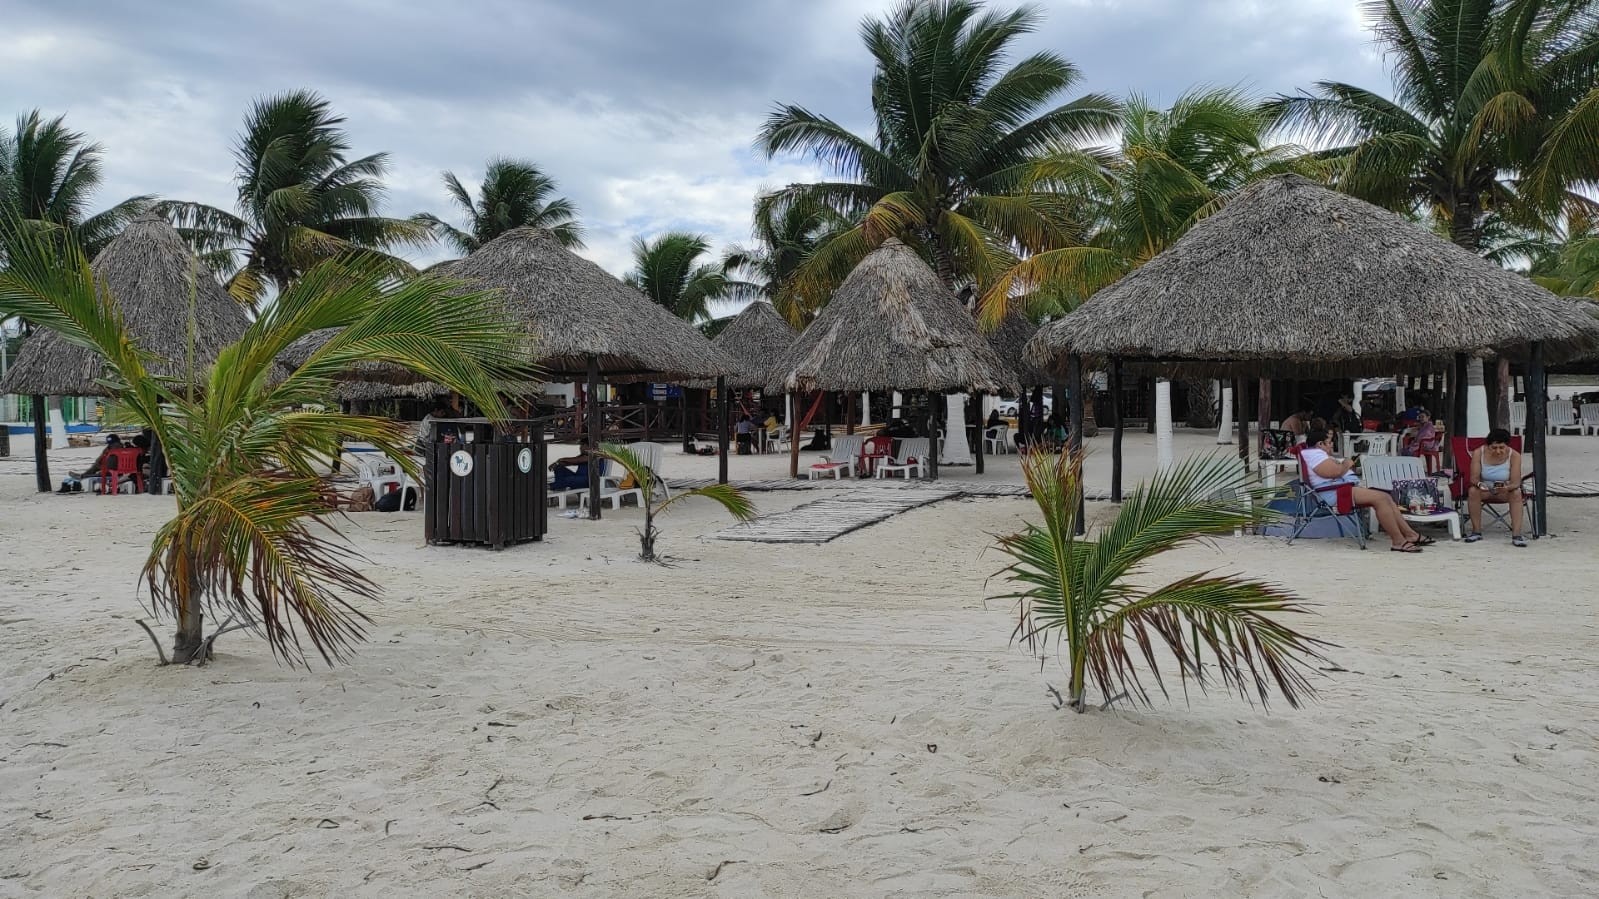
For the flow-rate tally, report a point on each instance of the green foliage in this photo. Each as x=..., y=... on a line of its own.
x=668, y=270
x=1495, y=112
x=948, y=168
x=514, y=194
x=48, y=178
x=1083, y=594
x=246, y=443
x=1171, y=168
x=301, y=201
x=734, y=500
x=787, y=235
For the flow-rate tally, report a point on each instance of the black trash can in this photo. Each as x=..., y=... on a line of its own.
x=484, y=487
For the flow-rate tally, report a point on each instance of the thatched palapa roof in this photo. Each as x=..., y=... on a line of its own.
x=576, y=309
x=151, y=275
x=1009, y=341
x=756, y=338
x=1291, y=279
x=892, y=325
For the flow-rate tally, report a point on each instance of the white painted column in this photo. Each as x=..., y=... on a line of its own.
x=953, y=449
x=1224, y=434
x=1163, y=433
x=1360, y=391
x=1476, y=401
x=897, y=401
x=58, y=423
x=788, y=411
x=866, y=408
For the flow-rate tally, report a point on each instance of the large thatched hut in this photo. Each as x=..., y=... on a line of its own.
x=892, y=325
x=152, y=277
x=1291, y=279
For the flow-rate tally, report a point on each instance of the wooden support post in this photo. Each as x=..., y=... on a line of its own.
x=1263, y=412
x=1149, y=426
x=1538, y=431
x=849, y=412
x=688, y=433
x=41, y=446
x=932, y=435
x=1116, y=435
x=723, y=404
x=1074, y=405
x=982, y=427
x=793, y=435
x=1241, y=415
x=592, y=437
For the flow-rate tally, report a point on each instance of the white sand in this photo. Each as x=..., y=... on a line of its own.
x=557, y=719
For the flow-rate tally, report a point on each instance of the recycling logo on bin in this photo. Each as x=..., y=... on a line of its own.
x=524, y=460
x=461, y=463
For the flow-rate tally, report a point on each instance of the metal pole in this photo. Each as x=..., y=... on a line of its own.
x=593, y=436
x=722, y=406
x=1538, y=430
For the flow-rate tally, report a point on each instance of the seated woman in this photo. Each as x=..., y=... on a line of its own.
x=1495, y=478
x=572, y=472
x=90, y=477
x=1326, y=473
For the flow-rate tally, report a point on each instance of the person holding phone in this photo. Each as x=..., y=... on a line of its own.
x=1327, y=473
x=1495, y=478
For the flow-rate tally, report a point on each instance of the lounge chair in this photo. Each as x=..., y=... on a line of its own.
x=611, y=489
x=845, y=456
x=1590, y=418
x=653, y=455
x=1518, y=416
x=1563, y=417
x=1382, y=472
x=913, y=452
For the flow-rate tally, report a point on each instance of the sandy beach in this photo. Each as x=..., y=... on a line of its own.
x=848, y=719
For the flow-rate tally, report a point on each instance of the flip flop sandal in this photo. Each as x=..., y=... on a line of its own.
x=1424, y=541
x=1405, y=548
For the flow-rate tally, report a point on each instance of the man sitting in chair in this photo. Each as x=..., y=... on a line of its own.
x=572, y=472
x=1326, y=473
x=1495, y=478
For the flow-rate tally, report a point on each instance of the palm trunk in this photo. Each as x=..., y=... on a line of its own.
x=189, y=638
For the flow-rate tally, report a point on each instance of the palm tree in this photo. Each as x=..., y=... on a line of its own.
x=786, y=237
x=1482, y=90
x=1089, y=597
x=514, y=194
x=668, y=270
x=734, y=500
x=253, y=538
x=956, y=135
x=48, y=178
x=1171, y=168
x=301, y=200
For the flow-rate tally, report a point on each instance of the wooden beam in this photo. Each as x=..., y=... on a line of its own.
x=592, y=437
x=1116, y=435
x=1537, y=430
x=723, y=404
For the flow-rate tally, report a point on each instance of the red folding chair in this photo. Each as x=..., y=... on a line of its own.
x=1460, y=487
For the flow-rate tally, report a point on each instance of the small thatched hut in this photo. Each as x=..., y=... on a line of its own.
x=1009, y=341
x=755, y=338
x=1291, y=279
x=892, y=325
x=151, y=275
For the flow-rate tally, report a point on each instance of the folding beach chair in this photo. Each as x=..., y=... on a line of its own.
x=1460, y=489
x=1338, y=503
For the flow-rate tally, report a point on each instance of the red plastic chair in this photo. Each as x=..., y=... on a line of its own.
x=875, y=450
x=121, y=463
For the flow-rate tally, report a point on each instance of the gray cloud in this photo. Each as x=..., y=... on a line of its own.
x=644, y=112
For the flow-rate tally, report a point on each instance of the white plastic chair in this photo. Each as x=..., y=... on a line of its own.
x=1380, y=473
x=843, y=457
x=1590, y=418
x=996, y=440
x=1518, y=416
x=653, y=455
x=1563, y=417
x=611, y=489
x=912, y=456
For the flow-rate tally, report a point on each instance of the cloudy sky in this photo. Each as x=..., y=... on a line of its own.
x=644, y=111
